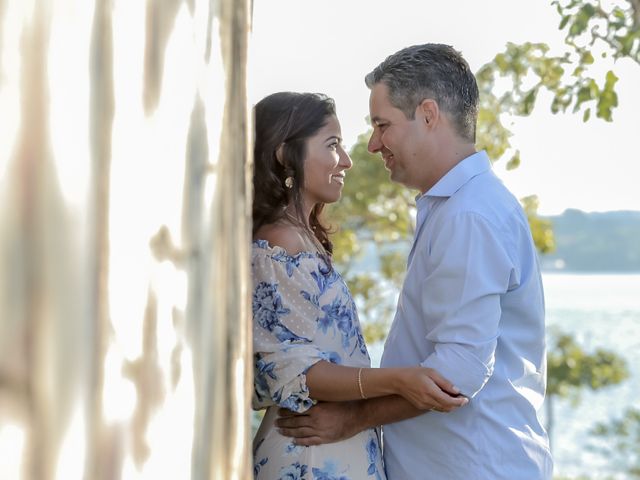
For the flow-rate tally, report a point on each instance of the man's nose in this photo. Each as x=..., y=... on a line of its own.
x=374, y=145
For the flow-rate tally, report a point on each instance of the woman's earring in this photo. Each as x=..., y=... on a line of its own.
x=288, y=182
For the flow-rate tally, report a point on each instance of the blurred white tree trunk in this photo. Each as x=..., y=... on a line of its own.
x=125, y=347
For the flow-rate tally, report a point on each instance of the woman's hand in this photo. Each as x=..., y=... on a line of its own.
x=426, y=389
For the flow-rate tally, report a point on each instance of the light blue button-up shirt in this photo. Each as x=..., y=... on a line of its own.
x=472, y=308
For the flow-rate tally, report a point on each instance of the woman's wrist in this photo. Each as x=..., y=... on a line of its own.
x=400, y=380
x=392, y=381
x=377, y=382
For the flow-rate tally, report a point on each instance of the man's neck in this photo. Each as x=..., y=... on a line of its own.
x=449, y=158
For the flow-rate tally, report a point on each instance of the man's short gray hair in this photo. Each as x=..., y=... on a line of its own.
x=432, y=71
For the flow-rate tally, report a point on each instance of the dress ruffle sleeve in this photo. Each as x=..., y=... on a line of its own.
x=285, y=316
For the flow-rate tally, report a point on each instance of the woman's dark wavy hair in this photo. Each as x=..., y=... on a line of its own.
x=287, y=119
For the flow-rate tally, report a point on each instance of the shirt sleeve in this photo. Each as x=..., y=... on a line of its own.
x=285, y=311
x=470, y=269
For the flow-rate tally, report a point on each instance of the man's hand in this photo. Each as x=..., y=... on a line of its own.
x=326, y=422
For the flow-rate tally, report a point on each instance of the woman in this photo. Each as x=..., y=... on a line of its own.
x=308, y=345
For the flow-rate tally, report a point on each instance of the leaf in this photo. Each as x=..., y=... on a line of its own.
x=588, y=10
x=571, y=368
x=608, y=98
x=514, y=161
x=619, y=13
x=586, y=58
x=529, y=102
x=578, y=26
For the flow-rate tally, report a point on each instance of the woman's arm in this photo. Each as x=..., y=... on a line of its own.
x=421, y=386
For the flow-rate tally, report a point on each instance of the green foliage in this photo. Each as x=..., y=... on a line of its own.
x=620, y=442
x=371, y=294
x=512, y=81
x=614, y=26
x=371, y=205
x=570, y=368
x=522, y=71
x=541, y=229
x=491, y=135
x=373, y=210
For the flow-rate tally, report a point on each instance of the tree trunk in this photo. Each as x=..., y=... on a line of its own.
x=125, y=347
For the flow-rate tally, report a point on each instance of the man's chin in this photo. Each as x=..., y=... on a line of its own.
x=395, y=177
x=401, y=181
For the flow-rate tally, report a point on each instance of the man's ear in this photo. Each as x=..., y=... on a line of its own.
x=280, y=154
x=429, y=111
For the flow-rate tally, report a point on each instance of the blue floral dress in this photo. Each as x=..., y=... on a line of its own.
x=303, y=313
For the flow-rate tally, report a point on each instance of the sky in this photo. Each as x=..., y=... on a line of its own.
x=329, y=47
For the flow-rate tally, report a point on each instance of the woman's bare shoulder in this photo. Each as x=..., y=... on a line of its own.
x=285, y=236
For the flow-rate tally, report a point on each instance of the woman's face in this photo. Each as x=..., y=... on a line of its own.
x=325, y=164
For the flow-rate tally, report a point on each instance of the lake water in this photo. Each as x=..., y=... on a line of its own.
x=601, y=311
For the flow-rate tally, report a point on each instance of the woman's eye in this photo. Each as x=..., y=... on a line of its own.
x=333, y=146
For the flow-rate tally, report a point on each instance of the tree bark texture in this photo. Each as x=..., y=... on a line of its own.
x=125, y=197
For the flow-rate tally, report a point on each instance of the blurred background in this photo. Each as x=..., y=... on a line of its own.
x=559, y=101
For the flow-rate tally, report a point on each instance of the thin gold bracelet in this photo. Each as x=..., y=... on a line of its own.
x=360, y=384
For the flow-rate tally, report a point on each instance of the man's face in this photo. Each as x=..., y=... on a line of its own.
x=399, y=140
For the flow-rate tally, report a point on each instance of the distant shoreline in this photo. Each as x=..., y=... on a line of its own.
x=591, y=243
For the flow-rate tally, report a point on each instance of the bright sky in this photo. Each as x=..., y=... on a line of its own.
x=328, y=46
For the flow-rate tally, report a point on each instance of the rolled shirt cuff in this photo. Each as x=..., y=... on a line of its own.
x=458, y=365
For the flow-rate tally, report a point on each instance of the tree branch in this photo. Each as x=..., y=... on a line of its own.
x=635, y=5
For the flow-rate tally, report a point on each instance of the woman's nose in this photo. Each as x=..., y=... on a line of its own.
x=345, y=160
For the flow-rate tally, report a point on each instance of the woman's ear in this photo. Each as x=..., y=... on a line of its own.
x=280, y=154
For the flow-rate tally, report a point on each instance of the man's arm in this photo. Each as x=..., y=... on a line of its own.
x=329, y=422
x=470, y=269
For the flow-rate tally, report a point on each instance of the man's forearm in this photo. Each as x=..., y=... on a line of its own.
x=329, y=422
x=381, y=411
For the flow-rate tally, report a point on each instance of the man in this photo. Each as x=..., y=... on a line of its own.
x=472, y=305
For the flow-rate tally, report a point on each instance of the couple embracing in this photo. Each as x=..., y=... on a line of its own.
x=463, y=370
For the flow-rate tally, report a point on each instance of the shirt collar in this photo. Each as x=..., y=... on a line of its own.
x=459, y=175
